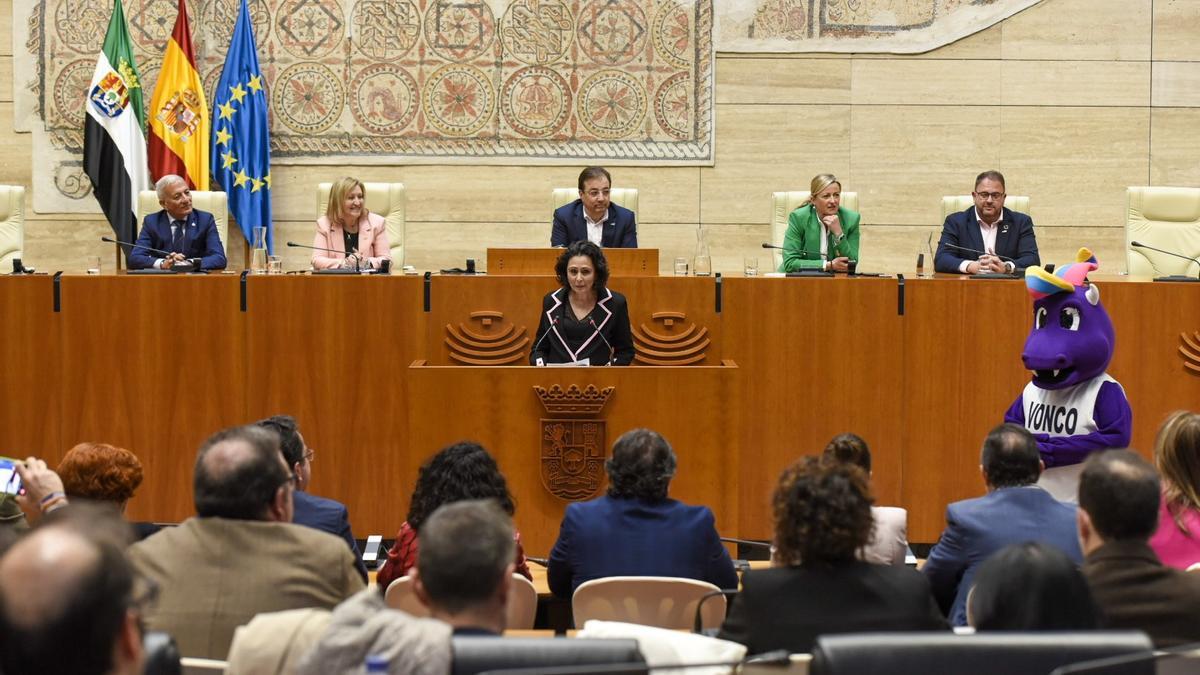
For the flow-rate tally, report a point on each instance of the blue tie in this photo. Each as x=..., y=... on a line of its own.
x=177, y=237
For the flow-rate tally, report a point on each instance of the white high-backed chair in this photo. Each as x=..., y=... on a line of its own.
x=1166, y=218
x=385, y=199
x=664, y=602
x=521, y=610
x=12, y=225
x=216, y=203
x=956, y=203
x=782, y=205
x=627, y=197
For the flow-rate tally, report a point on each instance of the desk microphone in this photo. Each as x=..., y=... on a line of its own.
x=971, y=250
x=553, y=323
x=357, y=257
x=612, y=353
x=1172, y=277
x=799, y=250
x=192, y=264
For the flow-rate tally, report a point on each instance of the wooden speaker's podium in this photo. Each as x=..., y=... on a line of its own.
x=622, y=262
x=551, y=428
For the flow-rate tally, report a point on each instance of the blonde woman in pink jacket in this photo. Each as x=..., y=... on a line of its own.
x=357, y=238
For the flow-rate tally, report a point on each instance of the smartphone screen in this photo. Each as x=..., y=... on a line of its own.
x=10, y=481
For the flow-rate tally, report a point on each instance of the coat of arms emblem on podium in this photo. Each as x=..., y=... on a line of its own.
x=573, y=440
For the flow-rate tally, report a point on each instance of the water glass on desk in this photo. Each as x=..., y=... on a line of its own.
x=703, y=266
x=274, y=265
x=681, y=267
x=93, y=264
x=750, y=267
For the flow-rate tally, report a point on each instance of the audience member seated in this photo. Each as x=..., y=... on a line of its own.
x=822, y=513
x=364, y=626
x=1014, y=510
x=241, y=554
x=349, y=235
x=1177, y=456
x=103, y=473
x=889, y=540
x=456, y=473
x=636, y=530
x=1028, y=587
x=1118, y=512
x=70, y=601
x=466, y=567
x=312, y=511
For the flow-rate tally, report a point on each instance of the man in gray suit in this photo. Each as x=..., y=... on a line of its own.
x=241, y=555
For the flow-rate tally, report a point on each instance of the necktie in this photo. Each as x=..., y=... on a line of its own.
x=177, y=237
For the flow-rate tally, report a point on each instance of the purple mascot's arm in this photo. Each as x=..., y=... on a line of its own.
x=1016, y=412
x=1114, y=420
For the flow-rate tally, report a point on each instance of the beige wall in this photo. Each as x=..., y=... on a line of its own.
x=1072, y=99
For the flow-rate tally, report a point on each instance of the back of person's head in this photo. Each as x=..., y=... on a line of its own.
x=1010, y=457
x=238, y=472
x=1119, y=491
x=66, y=597
x=849, y=449
x=1177, y=456
x=467, y=550
x=641, y=466
x=822, y=512
x=457, y=472
x=290, y=442
x=1031, y=586
x=100, y=472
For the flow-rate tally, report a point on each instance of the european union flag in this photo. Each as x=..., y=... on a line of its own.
x=241, y=141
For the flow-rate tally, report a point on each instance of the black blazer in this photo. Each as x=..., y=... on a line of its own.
x=1014, y=240
x=620, y=230
x=569, y=340
x=1137, y=592
x=788, y=607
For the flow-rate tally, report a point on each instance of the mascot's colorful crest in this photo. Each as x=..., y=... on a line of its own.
x=1072, y=338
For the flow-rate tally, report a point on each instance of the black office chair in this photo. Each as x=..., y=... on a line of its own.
x=473, y=655
x=992, y=653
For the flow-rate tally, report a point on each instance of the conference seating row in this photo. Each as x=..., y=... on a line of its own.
x=1164, y=217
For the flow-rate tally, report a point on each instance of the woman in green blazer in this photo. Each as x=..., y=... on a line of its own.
x=821, y=218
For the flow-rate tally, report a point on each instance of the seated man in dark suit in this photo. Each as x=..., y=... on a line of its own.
x=1014, y=510
x=187, y=233
x=987, y=237
x=466, y=567
x=310, y=510
x=593, y=216
x=635, y=530
x=1119, y=496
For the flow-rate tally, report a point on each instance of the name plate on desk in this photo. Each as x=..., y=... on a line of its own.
x=622, y=262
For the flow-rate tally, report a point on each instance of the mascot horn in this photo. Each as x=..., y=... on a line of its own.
x=1072, y=406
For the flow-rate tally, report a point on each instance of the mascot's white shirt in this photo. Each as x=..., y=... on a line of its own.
x=1063, y=412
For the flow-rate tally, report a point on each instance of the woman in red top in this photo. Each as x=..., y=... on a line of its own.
x=460, y=471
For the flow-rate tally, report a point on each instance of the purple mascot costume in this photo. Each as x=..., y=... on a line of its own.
x=1072, y=406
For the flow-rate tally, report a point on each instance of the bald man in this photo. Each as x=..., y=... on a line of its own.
x=67, y=605
x=241, y=555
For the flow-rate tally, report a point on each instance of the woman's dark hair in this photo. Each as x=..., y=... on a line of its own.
x=1031, y=586
x=822, y=512
x=849, y=449
x=641, y=466
x=587, y=248
x=457, y=472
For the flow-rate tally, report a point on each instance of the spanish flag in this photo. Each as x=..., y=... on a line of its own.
x=179, y=124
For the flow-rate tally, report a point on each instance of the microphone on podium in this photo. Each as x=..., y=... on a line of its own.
x=612, y=353
x=1170, y=277
x=357, y=258
x=976, y=252
x=553, y=323
x=190, y=265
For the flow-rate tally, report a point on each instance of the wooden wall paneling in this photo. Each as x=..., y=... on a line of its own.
x=153, y=364
x=497, y=407
x=963, y=340
x=484, y=320
x=674, y=319
x=817, y=357
x=333, y=352
x=1148, y=319
x=29, y=349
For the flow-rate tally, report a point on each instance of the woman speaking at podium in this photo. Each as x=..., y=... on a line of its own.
x=584, y=322
x=348, y=235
